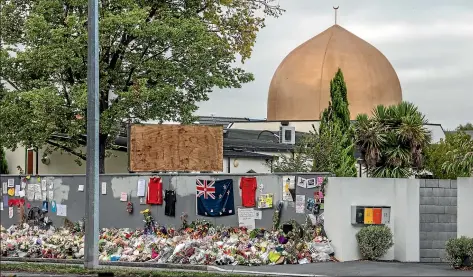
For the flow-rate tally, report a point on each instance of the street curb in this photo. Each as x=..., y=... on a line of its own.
x=144, y=265
x=127, y=264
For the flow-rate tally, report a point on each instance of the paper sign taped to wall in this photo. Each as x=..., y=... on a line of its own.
x=10, y=212
x=11, y=183
x=311, y=183
x=301, y=182
x=246, y=218
x=61, y=210
x=288, y=188
x=81, y=188
x=104, y=188
x=258, y=214
x=300, y=204
x=4, y=188
x=140, y=191
x=124, y=197
x=265, y=201
x=43, y=184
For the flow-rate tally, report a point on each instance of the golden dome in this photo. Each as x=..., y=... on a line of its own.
x=300, y=88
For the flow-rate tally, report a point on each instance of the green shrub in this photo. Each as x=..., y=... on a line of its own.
x=459, y=250
x=3, y=162
x=374, y=241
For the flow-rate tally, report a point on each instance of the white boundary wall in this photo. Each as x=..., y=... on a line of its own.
x=402, y=195
x=465, y=207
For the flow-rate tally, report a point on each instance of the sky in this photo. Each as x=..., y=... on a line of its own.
x=428, y=42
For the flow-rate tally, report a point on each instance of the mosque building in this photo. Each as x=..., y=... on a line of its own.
x=298, y=93
x=300, y=88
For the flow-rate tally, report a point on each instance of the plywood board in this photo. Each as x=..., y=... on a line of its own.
x=175, y=148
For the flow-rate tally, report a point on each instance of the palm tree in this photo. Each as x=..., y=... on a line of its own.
x=392, y=140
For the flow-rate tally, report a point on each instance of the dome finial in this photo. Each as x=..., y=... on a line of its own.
x=336, y=10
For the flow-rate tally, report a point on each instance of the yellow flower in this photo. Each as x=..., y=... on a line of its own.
x=145, y=211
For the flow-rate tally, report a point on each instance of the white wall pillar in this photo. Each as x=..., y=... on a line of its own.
x=465, y=207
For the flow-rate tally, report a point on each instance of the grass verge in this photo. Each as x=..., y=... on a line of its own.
x=80, y=270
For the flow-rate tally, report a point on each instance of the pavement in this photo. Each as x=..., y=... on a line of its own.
x=358, y=268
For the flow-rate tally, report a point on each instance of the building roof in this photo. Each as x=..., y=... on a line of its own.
x=224, y=121
x=245, y=154
x=300, y=88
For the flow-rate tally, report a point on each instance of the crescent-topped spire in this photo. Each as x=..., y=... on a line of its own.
x=336, y=11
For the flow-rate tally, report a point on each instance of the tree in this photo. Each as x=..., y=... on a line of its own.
x=336, y=126
x=393, y=140
x=459, y=159
x=467, y=127
x=331, y=148
x=157, y=59
x=442, y=158
x=337, y=113
x=298, y=162
x=3, y=162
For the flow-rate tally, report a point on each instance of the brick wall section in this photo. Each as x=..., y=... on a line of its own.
x=438, y=218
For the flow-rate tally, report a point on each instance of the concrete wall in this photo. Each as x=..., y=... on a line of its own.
x=113, y=212
x=402, y=195
x=423, y=212
x=438, y=218
x=465, y=207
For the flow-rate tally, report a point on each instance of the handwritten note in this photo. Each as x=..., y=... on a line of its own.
x=61, y=210
x=141, y=188
x=246, y=218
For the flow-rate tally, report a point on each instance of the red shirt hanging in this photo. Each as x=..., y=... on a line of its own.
x=155, y=191
x=248, y=191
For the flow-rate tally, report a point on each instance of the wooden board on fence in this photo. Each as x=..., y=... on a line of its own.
x=156, y=147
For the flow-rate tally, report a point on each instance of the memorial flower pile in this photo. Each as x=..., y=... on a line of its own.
x=196, y=243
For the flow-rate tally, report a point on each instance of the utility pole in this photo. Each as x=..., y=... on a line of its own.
x=92, y=164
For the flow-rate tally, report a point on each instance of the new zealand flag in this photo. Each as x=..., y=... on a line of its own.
x=215, y=198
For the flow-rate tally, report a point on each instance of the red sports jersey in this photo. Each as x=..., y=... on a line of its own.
x=248, y=191
x=155, y=191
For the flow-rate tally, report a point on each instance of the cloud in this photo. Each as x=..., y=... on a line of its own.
x=428, y=42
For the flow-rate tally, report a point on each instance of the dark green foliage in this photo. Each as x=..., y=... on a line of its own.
x=157, y=59
x=392, y=142
x=459, y=250
x=3, y=162
x=374, y=241
x=335, y=123
x=337, y=113
x=467, y=127
x=448, y=159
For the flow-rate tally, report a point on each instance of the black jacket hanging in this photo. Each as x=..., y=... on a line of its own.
x=170, y=199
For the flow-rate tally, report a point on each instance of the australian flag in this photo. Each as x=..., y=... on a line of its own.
x=215, y=198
